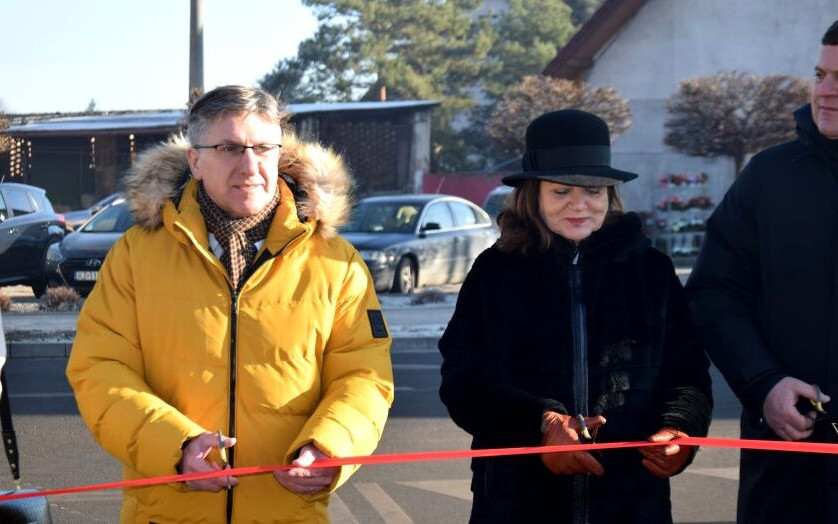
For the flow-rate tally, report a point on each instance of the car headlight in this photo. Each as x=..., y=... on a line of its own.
x=376, y=257
x=54, y=253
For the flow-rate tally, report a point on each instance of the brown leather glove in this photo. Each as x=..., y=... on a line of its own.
x=564, y=430
x=668, y=459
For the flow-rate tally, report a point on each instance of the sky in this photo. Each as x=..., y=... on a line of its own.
x=134, y=54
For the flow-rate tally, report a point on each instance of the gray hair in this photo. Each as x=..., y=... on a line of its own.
x=230, y=100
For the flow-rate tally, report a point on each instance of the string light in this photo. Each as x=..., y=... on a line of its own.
x=15, y=158
x=92, y=164
x=132, y=148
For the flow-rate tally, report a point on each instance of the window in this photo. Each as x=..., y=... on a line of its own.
x=440, y=215
x=464, y=214
x=19, y=202
x=4, y=214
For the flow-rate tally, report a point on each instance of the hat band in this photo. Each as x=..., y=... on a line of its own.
x=570, y=156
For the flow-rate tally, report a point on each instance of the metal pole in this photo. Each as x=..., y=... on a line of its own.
x=196, y=47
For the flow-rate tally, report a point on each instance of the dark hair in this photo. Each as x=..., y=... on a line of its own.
x=521, y=226
x=831, y=35
x=230, y=100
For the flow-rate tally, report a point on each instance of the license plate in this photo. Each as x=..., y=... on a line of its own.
x=86, y=276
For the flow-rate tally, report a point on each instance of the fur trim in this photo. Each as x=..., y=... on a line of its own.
x=324, y=184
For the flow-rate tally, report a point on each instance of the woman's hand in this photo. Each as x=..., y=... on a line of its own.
x=665, y=460
x=564, y=430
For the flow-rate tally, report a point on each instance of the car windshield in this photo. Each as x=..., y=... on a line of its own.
x=115, y=218
x=384, y=217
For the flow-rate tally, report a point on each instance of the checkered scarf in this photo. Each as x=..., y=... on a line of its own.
x=236, y=236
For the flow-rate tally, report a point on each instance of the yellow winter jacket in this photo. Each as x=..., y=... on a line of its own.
x=164, y=351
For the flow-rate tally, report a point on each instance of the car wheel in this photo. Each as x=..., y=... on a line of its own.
x=39, y=287
x=405, y=279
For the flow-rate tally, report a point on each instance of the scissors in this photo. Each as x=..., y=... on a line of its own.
x=222, y=451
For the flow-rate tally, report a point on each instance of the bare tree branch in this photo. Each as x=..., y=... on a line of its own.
x=5, y=140
x=538, y=94
x=733, y=114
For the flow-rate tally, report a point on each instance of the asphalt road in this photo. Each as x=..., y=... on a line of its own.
x=57, y=451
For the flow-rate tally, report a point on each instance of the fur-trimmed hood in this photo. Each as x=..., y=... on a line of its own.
x=323, y=183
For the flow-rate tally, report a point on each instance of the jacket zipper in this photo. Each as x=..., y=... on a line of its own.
x=580, y=377
x=234, y=314
x=231, y=428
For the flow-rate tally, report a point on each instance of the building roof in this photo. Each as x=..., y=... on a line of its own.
x=579, y=54
x=162, y=121
x=166, y=120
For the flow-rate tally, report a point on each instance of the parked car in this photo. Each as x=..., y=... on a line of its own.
x=408, y=241
x=28, y=225
x=75, y=260
x=75, y=219
x=496, y=201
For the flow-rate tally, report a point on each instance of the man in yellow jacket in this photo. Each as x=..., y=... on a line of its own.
x=233, y=306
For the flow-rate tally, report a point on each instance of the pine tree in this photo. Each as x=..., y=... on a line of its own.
x=417, y=49
x=583, y=9
x=529, y=34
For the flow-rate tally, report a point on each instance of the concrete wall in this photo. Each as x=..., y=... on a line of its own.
x=669, y=40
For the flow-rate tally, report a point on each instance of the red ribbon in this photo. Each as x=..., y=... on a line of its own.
x=426, y=456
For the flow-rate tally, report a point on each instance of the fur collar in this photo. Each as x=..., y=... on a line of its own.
x=323, y=182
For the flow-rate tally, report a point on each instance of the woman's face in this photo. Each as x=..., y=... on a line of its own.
x=571, y=211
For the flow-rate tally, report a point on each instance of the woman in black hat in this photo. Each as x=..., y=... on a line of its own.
x=573, y=327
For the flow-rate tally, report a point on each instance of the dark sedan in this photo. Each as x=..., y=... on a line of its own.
x=28, y=224
x=75, y=219
x=410, y=241
x=75, y=261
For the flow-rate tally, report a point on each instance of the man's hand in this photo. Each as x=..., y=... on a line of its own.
x=194, y=460
x=564, y=430
x=304, y=480
x=781, y=414
x=667, y=460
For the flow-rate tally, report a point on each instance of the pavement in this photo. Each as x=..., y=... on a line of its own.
x=33, y=333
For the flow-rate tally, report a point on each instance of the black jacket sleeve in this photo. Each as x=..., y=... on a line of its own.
x=495, y=413
x=723, y=291
x=687, y=399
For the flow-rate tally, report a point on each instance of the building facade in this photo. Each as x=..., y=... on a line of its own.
x=644, y=48
x=79, y=159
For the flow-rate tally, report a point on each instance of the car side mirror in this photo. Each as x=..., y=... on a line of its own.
x=431, y=226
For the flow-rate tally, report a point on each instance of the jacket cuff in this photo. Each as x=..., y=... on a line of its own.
x=754, y=396
x=688, y=409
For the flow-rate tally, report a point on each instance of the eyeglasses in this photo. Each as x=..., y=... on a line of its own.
x=232, y=150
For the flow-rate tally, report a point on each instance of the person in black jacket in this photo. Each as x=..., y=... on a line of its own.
x=572, y=316
x=764, y=292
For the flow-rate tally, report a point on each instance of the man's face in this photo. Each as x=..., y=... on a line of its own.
x=825, y=92
x=241, y=184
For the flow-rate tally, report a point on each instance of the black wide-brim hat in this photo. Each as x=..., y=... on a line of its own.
x=571, y=147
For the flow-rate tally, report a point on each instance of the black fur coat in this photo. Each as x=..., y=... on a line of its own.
x=510, y=352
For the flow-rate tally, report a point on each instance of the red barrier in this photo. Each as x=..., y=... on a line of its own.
x=426, y=456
